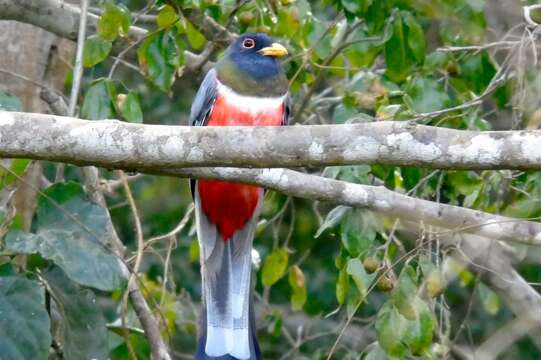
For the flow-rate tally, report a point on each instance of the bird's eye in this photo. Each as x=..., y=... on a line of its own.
x=248, y=43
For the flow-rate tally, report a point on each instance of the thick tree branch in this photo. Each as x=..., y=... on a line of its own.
x=376, y=198
x=132, y=145
x=164, y=149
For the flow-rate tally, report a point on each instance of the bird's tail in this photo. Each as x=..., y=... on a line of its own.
x=227, y=323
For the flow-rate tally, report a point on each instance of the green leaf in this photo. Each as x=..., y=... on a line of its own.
x=477, y=71
x=357, y=7
x=98, y=102
x=420, y=330
x=275, y=323
x=397, y=54
x=24, y=322
x=358, y=231
x=322, y=44
x=194, y=251
x=83, y=328
x=16, y=170
x=9, y=102
x=355, y=269
x=166, y=17
x=140, y=346
x=333, y=217
x=342, y=286
x=416, y=37
x=73, y=233
x=196, y=39
x=391, y=328
x=405, y=46
x=115, y=20
x=426, y=95
x=274, y=267
x=96, y=50
x=298, y=285
x=398, y=335
x=158, y=56
x=489, y=299
x=130, y=108
x=406, y=291
x=376, y=353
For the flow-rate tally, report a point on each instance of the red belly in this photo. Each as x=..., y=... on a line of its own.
x=230, y=205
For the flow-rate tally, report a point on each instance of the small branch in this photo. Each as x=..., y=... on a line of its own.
x=506, y=336
x=181, y=225
x=142, y=18
x=528, y=16
x=491, y=261
x=78, y=68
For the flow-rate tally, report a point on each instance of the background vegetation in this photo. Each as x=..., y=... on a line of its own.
x=333, y=282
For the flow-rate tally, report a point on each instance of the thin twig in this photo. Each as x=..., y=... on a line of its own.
x=78, y=69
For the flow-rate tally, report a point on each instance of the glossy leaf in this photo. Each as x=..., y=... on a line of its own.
x=342, y=286
x=98, y=101
x=131, y=109
x=397, y=54
x=406, y=291
x=489, y=299
x=196, y=39
x=166, y=17
x=399, y=336
x=416, y=37
x=427, y=95
x=298, y=286
x=24, y=322
x=376, y=353
x=157, y=56
x=83, y=327
x=16, y=169
x=73, y=233
x=358, y=231
x=420, y=329
x=96, y=50
x=274, y=267
x=355, y=269
x=333, y=217
x=114, y=21
x=391, y=328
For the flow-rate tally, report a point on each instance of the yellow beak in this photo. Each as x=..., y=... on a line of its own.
x=276, y=50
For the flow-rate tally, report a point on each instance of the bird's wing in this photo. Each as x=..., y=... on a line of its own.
x=204, y=100
x=202, y=105
x=287, y=110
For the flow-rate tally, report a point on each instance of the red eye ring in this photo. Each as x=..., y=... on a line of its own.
x=248, y=43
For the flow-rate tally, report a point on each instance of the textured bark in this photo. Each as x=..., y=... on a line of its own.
x=113, y=143
x=164, y=149
x=376, y=198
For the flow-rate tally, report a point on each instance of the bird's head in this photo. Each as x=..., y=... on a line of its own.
x=252, y=60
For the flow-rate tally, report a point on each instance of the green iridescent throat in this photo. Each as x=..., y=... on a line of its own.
x=242, y=83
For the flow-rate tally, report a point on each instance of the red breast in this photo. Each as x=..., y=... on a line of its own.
x=230, y=205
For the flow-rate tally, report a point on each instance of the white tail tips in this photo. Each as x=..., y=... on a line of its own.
x=222, y=341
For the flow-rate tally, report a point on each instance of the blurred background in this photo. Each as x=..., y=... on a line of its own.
x=393, y=289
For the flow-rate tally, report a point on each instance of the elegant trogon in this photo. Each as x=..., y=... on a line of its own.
x=246, y=87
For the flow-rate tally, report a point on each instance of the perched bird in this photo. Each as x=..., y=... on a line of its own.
x=246, y=87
